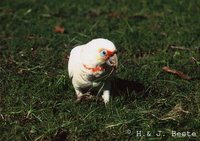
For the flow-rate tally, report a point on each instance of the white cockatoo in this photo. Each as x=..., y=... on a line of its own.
x=91, y=66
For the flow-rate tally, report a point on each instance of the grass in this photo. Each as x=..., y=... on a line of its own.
x=37, y=98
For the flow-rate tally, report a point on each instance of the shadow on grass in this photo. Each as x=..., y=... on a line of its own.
x=129, y=89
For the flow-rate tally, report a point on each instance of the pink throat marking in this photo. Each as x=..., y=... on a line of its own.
x=96, y=69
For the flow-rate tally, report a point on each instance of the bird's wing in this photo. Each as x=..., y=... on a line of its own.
x=74, y=60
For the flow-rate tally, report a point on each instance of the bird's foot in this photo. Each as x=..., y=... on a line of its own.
x=84, y=97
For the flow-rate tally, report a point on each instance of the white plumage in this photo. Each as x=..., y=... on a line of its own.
x=91, y=66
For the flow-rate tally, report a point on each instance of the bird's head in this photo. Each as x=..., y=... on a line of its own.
x=100, y=52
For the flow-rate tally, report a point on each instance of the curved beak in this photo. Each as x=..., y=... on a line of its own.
x=112, y=61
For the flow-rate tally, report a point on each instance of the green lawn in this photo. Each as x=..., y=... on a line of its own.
x=37, y=100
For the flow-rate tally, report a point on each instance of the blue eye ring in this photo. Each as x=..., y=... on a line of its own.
x=103, y=53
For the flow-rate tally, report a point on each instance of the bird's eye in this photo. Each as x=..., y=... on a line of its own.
x=103, y=53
